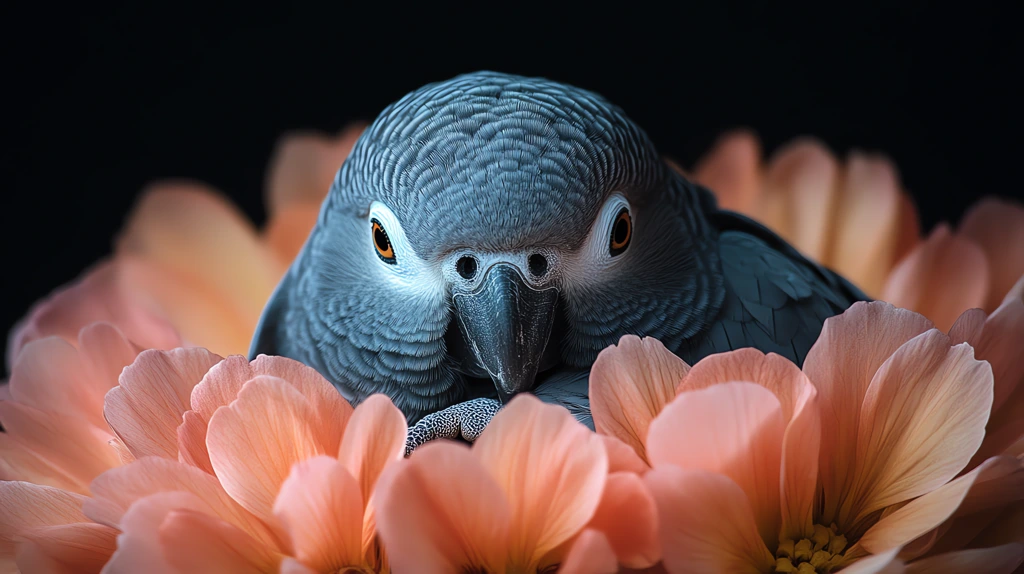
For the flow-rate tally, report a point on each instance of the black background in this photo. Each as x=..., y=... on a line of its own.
x=101, y=101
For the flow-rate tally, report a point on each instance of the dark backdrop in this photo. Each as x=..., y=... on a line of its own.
x=100, y=101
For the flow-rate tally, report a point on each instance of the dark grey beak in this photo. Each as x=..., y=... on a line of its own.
x=507, y=324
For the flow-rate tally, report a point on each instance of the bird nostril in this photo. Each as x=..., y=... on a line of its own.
x=538, y=265
x=466, y=266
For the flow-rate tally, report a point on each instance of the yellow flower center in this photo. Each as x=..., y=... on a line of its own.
x=820, y=554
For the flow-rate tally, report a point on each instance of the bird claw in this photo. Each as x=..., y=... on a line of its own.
x=464, y=420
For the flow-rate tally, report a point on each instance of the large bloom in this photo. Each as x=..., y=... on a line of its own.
x=796, y=475
x=533, y=493
x=855, y=218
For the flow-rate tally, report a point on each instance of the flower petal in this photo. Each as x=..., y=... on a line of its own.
x=953, y=262
x=884, y=563
x=621, y=457
x=590, y=553
x=999, y=560
x=146, y=408
x=321, y=508
x=800, y=452
x=375, y=437
x=1000, y=482
x=81, y=547
x=552, y=470
x=24, y=506
x=732, y=170
x=138, y=546
x=212, y=545
x=629, y=385
x=997, y=225
x=19, y=462
x=742, y=429
x=805, y=173
x=441, y=511
x=923, y=417
x=286, y=232
x=628, y=519
x=303, y=166
x=725, y=540
x=841, y=364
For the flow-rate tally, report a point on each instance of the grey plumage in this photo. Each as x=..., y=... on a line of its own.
x=520, y=175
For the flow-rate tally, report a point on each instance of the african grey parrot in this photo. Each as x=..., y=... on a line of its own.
x=490, y=234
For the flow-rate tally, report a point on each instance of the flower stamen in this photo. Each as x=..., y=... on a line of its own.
x=820, y=554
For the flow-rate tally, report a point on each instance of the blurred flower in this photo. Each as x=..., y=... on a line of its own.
x=855, y=218
x=532, y=494
x=869, y=458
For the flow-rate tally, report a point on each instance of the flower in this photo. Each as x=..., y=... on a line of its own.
x=856, y=219
x=859, y=454
x=533, y=492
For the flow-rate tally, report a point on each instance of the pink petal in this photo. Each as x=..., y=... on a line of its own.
x=552, y=470
x=292, y=566
x=742, y=431
x=884, y=563
x=441, y=511
x=953, y=262
x=303, y=166
x=997, y=225
x=146, y=408
x=590, y=553
x=732, y=170
x=116, y=490
x=321, y=508
x=25, y=506
x=923, y=417
x=374, y=438
x=255, y=440
x=19, y=462
x=212, y=545
x=1000, y=482
x=628, y=519
x=999, y=560
x=725, y=539
x=621, y=457
x=841, y=364
x=105, y=353
x=138, y=546
x=80, y=547
x=629, y=385
x=800, y=452
x=908, y=232
x=286, y=232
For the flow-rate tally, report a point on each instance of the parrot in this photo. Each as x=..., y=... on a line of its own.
x=490, y=234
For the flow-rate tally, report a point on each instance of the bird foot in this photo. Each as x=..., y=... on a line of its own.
x=464, y=420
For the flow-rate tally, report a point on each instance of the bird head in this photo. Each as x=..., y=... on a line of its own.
x=488, y=229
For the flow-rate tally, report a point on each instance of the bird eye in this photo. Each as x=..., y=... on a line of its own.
x=622, y=232
x=382, y=244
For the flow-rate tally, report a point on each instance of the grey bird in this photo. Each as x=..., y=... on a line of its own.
x=491, y=234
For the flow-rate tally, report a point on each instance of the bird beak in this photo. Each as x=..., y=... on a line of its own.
x=507, y=324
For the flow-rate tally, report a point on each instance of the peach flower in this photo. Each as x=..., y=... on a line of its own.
x=859, y=454
x=855, y=218
x=532, y=494
x=261, y=466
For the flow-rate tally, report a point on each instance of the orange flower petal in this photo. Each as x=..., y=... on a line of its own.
x=908, y=232
x=884, y=563
x=81, y=547
x=923, y=417
x=800, y=452
x=1000, y=559
x=841, y=364
x=552, y=470
x=1000, y=481
x=375, y=437
x=303, y=166
x=742, y=429
x=590, y=553
x=321, y=508
x=441, y=511
x=805, y=174
x=997, y=225
x=24, y=506
x=732, y=170
x=725, y=540
x=621, y=457
x=629, y=385
x=255, y=440
x=138, y=545
x=212, y=545
x=146, y=408
x=19, y=462
x=628, y=519
x=953, y=262
x=286, y=232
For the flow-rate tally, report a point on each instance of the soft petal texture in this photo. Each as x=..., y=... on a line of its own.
x=321, y=508
x=221, y=386
x=841, y=364
x=304, y=164
x=998, y=560
x=799, y=482
x=622, y=457
x=941, y=278
x=742, y=429
x=286, y=233
x=997, y=225
x=255, y=440
x=192, y=233
x=773, y=372
x=194, y=542
x=66, y=548
x=728, y=542
x=441, y=511
x=629, y=385
x=732, y=170
x=551, y=468
x=628, y=519
x=923, y=416
x=25, y=506
x=375, y=436
x=292, y=566
x=884, y=563
x=146, y=408
x=138, y=546
x=591, y=553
